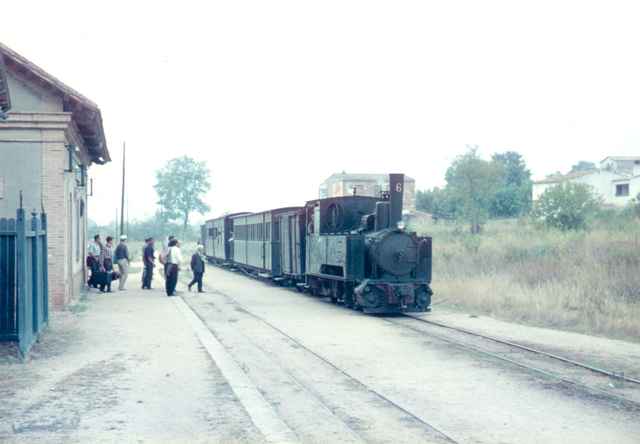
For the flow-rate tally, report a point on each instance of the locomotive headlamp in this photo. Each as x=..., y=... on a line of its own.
x=401, y=225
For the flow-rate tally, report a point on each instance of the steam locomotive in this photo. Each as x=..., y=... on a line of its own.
x=352, y=249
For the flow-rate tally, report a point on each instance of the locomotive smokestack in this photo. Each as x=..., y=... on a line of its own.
x=396, y=191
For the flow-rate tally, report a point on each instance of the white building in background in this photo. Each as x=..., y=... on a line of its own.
x=617, y=180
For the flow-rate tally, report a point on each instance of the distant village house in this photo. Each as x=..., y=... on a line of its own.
x=344, y=184
x=616, y=180
x=49, y=137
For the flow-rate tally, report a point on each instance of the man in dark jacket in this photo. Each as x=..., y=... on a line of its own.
x=197, y=266
x=122, y=259
x=149, y=261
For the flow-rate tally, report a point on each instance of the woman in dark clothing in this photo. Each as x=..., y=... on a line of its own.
x=197, y=266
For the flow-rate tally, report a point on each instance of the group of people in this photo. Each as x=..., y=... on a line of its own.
x=101, y=259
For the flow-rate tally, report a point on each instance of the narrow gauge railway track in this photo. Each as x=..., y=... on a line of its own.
x=331, y=364
x=506, y=356
x=600, y=392
x=613, y=375
x=444, y=436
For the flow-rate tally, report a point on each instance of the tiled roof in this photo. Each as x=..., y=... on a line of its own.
x=86, y=113
x=621, y=158
x=558, y=178
x=563, y=177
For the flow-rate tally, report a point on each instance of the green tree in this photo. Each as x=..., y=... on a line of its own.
x=425, y=200
x=181, y=186
x=513, y=196
x=583, y=165
x=437, y=202
x=567, y=206
x=472, y=183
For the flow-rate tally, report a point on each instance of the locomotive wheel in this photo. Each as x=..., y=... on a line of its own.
x=423, y=298
x=373, y=298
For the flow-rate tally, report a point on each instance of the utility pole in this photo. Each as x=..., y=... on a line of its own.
x=116, y=223
x=124, y=165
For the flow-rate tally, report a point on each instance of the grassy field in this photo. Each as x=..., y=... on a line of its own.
x=582, y=281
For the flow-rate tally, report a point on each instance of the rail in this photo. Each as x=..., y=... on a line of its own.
x=529, y=349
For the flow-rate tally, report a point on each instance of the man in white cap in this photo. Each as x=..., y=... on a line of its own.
x=122, y=259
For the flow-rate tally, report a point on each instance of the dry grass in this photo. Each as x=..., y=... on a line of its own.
x=586, y=281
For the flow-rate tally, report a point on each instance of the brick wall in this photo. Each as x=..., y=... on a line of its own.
x=54, y=158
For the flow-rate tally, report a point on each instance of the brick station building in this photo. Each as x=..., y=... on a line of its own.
x=50, y=135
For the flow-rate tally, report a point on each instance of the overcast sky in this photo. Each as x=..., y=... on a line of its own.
x=278, y=95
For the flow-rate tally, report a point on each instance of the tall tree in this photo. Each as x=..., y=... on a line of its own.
x=181, y=186
x=513, y=197
x=472, y=183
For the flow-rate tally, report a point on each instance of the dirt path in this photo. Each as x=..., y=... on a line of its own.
x=125, y=367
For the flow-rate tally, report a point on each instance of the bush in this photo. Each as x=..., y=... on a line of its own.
x=567, y=206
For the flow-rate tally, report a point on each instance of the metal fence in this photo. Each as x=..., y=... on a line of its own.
x=24, y=293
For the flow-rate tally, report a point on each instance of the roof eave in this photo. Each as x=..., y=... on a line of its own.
x=5, y=96
x=91, y=129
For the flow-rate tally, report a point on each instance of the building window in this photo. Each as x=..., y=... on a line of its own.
x=622, y=190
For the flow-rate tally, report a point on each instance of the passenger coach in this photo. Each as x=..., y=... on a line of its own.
x=217, y=241
x=257, y=244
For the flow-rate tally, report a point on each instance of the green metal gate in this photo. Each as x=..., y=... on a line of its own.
x=24, y=292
